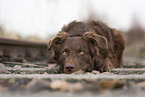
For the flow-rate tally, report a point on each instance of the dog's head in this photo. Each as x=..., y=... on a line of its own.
x=73, y=53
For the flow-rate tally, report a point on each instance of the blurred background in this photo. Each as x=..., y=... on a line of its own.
x=40, y=20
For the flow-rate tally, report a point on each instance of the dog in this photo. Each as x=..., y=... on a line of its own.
x=87, y=46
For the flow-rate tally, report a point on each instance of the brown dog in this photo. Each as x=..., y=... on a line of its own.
x=87, y=46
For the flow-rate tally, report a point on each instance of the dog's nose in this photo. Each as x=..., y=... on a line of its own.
x=69, y=67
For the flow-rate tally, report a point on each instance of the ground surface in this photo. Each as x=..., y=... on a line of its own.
x=37, y=79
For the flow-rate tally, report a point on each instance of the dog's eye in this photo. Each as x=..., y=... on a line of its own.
x=81, y=52
x=64, y=53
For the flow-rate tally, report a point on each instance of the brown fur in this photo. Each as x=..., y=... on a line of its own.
x=101, y=46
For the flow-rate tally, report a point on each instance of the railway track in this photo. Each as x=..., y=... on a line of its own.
x=17, y=50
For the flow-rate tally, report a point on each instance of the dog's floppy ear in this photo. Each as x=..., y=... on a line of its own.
x=99, y=42
x=57, y=40
x=96, y=39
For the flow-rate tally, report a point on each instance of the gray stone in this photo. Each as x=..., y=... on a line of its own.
x=32, y=70
x=79, y=72
x=107, y=73
x=36, y=85
x=2, y=66
x=128, y=70
x=132, y=77
x=95, y=72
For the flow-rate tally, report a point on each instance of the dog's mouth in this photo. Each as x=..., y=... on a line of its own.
x=68, y=71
